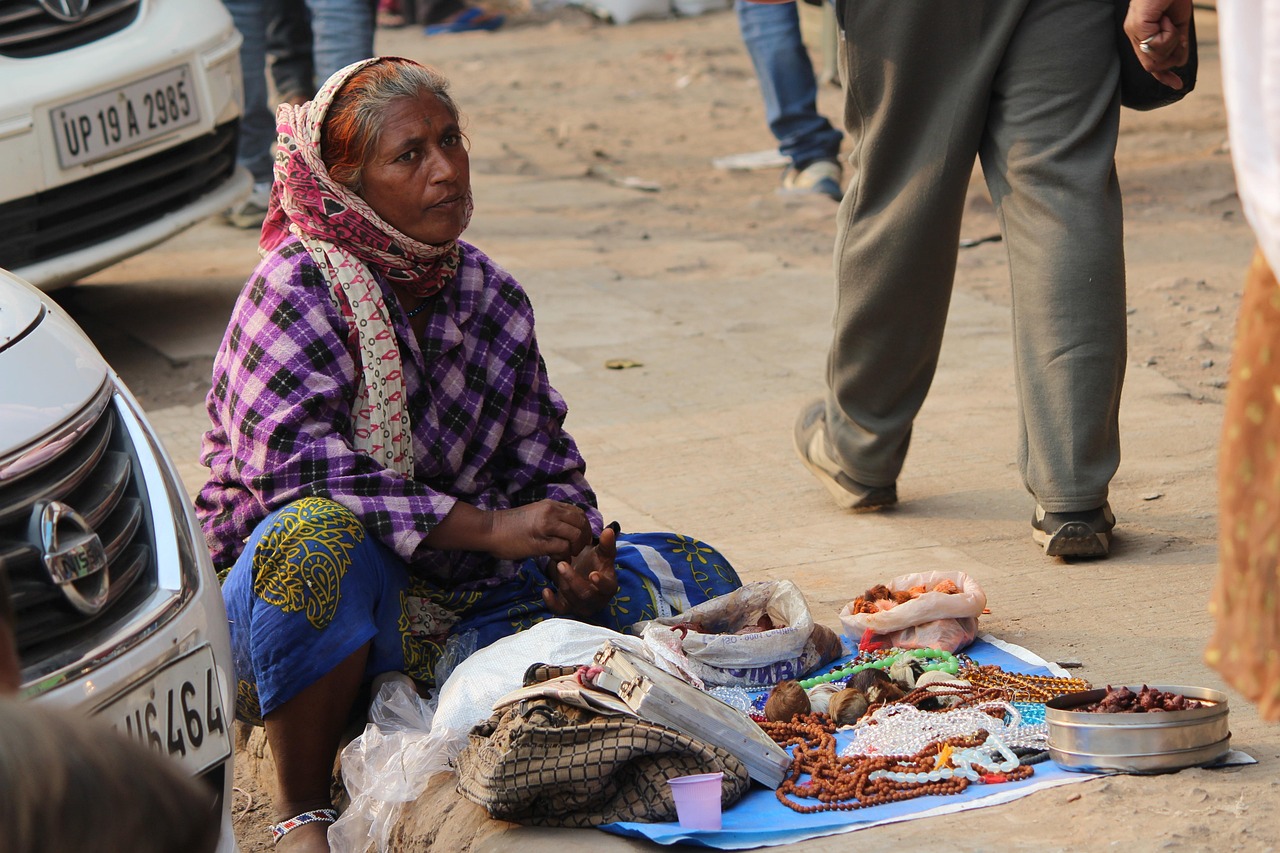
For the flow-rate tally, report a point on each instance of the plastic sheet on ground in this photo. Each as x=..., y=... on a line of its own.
x=759, y=820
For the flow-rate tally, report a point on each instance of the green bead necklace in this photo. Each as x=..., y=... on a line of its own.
x=942, y=660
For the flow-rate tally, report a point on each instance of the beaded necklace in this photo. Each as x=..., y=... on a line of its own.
x=422, y=306
x=905, y=730
x=943, y=660
x=992, y=757
x=1023, y=688
x=846, y=783
x=960, y=695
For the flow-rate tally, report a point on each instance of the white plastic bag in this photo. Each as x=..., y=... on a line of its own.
x=387, y=766
x=720, y=657
x=934, y=620
x=468, y=696
x=688, y=8
x=626, y=11
x=407, y=741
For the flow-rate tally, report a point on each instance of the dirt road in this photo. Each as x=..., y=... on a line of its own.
x=720, y=290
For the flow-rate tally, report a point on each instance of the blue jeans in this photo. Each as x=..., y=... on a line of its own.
x=289, y=46
x=343, y=34
x=771, y=33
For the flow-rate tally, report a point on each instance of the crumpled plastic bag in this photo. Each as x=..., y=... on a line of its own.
x=468, y=696
x=934, y=620
x=408, y=740
x=720, y=657
x=387, y=766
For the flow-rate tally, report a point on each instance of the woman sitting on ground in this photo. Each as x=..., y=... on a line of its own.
x=388, y=464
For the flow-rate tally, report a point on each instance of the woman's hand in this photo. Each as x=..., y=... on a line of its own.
x=544, y=529
x=583, y=588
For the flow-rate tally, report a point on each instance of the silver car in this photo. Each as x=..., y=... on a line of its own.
x=118, y=611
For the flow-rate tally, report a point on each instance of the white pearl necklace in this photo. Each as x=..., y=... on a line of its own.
x=905, y=729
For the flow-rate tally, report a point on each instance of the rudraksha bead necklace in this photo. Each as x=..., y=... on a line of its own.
x=846, y=783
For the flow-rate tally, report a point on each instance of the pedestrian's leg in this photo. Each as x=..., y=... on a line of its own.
x=257, y=125
x=1049, y=158
x=771, y=33
x=342, y=32
x=289, y=47
x=915, y=118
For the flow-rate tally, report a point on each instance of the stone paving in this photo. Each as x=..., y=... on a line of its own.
x=729, y=341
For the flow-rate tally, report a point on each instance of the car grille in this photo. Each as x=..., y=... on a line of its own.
x=27, y=29
x=96, y=209
x=96, y=474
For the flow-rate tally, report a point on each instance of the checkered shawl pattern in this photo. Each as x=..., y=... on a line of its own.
x=546, y=763
x=487, y=425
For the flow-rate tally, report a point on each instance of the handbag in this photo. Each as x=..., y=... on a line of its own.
x=1138, y=89
x=544, y=762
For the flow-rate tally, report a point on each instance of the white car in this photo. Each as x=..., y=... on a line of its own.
x=117, y=610
x=118, y=128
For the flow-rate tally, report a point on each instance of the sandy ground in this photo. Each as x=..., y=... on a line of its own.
x=720, y=290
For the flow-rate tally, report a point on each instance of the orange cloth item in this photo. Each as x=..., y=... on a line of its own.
x=1245, y=647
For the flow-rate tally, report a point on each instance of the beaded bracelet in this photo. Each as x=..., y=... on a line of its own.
x=947, y=662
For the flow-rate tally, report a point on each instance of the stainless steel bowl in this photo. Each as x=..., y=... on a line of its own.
x=1159, y=742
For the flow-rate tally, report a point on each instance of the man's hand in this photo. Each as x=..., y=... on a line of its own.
x=583, y=588
x=1160, y=32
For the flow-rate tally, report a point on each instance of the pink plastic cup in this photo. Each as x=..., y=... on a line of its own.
x=697, y=800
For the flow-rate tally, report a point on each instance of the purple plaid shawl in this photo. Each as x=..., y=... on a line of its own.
x=487, y=425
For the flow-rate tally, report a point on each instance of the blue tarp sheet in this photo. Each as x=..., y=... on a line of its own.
x=759, y=820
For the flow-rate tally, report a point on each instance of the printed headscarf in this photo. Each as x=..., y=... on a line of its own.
x=350, y=242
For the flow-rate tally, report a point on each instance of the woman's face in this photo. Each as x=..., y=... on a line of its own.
x=418, y=176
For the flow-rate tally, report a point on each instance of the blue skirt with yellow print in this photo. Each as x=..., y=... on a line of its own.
x=310, y=589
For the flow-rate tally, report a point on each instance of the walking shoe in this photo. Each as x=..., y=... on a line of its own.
x=252, y=211
x=821, y=177
x=1074, y=534
x=811, y=446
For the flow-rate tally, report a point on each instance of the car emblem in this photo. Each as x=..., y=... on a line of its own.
x=66, y=10
x=73, y=555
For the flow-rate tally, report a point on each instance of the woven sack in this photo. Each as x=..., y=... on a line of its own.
x=547, y=763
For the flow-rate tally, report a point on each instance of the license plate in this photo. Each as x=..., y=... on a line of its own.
x=118, y=120
x=177, y=712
